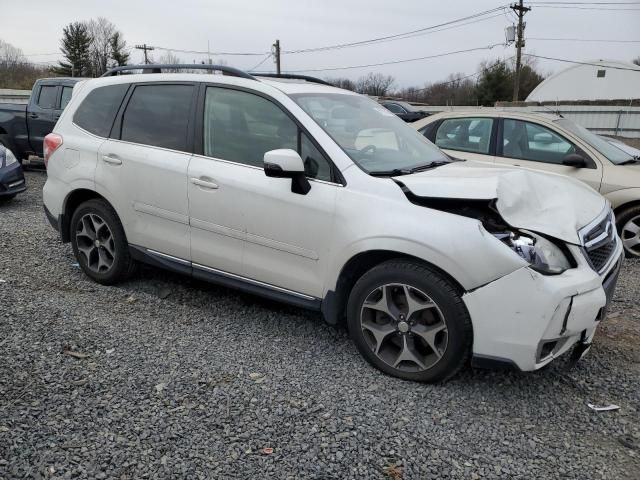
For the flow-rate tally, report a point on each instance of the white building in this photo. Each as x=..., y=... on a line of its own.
x=604, y=80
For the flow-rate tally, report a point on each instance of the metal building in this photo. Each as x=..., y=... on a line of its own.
x=602, y=80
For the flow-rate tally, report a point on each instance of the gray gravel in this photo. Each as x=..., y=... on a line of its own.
x=188, y=380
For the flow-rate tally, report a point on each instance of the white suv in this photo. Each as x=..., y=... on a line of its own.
x=321, y=198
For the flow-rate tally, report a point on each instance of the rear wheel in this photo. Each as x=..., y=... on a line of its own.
x=99, y=243
x=408, y=320
x=628, y=223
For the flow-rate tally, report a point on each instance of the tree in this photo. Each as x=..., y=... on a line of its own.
x=15, y=71
x=636, y=61
x=101, y=31
x=76, y=47
x=495, y=83
x=345, y=83
x=529, y=79
x=118, y=53
x=170, y=58
x=375, y=84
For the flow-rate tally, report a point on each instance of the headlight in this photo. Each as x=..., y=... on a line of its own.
x=9, y=157
x=543, y=256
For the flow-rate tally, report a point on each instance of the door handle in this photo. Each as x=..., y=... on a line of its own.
x=56, y=117
x=33, y=115
x=111, y=160
x=204, y=183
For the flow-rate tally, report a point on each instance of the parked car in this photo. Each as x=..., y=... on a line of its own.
x=546, y=142
x=24, y=126
x=11, y=175
x=316, y=196
x=405, y=111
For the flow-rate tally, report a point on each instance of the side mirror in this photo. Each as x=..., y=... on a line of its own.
x=574, y=160
x=286, y=163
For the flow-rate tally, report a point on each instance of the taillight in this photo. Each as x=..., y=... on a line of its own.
x=51, y=143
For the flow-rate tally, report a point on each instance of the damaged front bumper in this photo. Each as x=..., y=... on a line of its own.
x=526, y=319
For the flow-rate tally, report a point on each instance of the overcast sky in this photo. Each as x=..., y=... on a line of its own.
x=35, y=26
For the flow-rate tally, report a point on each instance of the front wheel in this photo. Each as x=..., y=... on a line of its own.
x=628, y=223
x=99, y=243
x=408, y=320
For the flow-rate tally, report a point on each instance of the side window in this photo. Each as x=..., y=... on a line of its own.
x=66, y=96
x=530, y=141
x=241, y=127
x=392, y=107
x=47, y=96
x=158, y=115
x=98, y=110
x=465, y=134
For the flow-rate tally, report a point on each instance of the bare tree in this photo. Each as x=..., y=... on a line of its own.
x=636, y=61
x=101, y=31
x=345, y=83
x=9, y=55
x=15, y=71
x=375, y=84
x=170, y=57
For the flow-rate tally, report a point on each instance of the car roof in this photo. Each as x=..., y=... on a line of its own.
x=287, y=86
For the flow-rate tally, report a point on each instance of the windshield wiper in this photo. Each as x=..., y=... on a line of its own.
x=631, y=160
x=407, y=171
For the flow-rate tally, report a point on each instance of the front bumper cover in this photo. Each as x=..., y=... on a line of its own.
x=11, y=180
x=525, y=319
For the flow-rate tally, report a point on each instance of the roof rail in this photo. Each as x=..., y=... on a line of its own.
x=294, y=77
x=158, y=67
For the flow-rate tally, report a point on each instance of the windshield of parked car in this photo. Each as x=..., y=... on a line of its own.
x=613, y=153
x=373, y=137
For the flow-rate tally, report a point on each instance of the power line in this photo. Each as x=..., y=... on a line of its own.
x=261, y=62
x=584, y=3
x=393, y=62
x=583, y=40
x=395, y=36
x=600, y=9
x=613, y=67
x=220, y=54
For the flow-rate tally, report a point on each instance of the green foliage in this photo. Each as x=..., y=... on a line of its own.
x=118, y=53
x=75, y=46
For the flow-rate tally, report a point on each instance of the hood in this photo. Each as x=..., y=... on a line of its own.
x=546, y=203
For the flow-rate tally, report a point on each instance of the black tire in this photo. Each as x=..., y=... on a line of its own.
x=622, y=218
x=440, y=291
x=123, y=265
x=7, y=198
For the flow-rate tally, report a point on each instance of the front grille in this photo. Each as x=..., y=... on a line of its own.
x=599, y=242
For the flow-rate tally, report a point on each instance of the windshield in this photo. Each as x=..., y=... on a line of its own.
x=373, y=137
x=613, y=153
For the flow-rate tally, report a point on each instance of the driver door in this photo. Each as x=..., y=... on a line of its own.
x=531, y=145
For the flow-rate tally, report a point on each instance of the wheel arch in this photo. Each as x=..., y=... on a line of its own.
x=73, y=200
x=334, y=303
x=625, y=206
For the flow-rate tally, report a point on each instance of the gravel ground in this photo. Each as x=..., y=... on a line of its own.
x=186, y=380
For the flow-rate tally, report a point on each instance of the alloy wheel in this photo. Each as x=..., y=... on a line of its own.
x=95, y=242
x=631, y=235
x=404, y=327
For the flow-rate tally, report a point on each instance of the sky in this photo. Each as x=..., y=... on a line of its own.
x=253, y=25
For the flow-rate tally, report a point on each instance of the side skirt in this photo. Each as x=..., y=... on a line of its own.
x=225, y=279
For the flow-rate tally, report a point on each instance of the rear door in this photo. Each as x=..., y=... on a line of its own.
x=468, y=138
x=40, y=115
x=143, y=166
x=536, y=146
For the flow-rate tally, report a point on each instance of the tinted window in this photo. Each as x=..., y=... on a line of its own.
x=158, y=115
x=392, y=107
x=47, y=97
x=98, y=110
x=465, y=134
x=530, y=141
x=315, y=164
x=242, y=127
x=66, y=96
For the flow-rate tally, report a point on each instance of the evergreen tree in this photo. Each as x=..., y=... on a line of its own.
x=76, y=44
x=495, y=84
x=118, y=53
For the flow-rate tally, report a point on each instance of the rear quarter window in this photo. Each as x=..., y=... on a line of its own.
x=97, y=111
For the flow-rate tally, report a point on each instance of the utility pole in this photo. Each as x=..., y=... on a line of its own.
x=276, y=46
x=520, y=10
x=145, y=48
